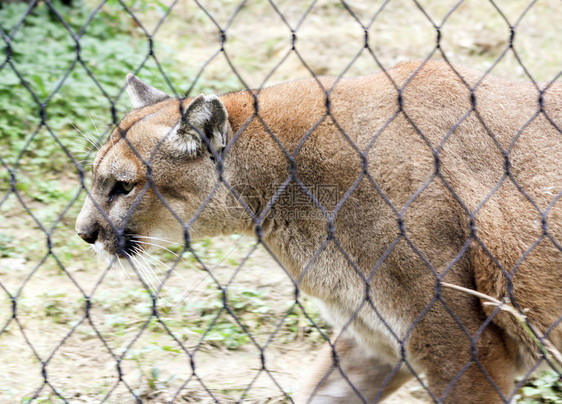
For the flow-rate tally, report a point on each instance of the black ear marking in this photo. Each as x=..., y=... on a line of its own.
x=218, y=119
x=203, y=125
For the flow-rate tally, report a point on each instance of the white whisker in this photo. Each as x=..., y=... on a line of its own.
x=186, y=295
x=151, y=269
x=95, y=127
x=151, y=263
x=154, y=238
x=168, y=267
x=154, y=267
x=85, y=137
x=122, y=267
x=156, y=245
x=98, y=256
x=142, y=269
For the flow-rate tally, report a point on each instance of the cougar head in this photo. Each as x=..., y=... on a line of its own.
x=154, y=173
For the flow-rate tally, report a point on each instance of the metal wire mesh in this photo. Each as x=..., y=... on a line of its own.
x=327, y=199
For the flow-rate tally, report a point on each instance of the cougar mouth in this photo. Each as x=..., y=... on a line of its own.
x=131, y=244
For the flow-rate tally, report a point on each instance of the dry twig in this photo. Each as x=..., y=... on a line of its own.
x=546, y=347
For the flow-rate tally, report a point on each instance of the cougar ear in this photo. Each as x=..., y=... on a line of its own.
x=142, y=94
x=204, y=124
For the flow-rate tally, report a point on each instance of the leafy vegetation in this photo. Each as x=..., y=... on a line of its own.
x=546, y=388
x=77, y=86
x=60, y=83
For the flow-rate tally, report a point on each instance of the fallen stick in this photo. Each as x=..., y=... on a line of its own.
x=546, y=347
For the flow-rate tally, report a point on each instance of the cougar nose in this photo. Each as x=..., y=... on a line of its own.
x=89, y=237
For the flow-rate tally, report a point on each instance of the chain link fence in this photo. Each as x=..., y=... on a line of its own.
x=226, y=319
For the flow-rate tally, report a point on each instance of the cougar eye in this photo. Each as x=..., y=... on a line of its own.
x=121, y=188
x=127, y=186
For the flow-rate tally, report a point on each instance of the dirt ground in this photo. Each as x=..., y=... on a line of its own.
x=82, y=369
x=80, y=354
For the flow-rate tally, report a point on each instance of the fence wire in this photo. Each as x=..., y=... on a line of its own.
x=283, y=192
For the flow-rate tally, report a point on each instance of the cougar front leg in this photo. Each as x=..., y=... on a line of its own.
x=366, y=373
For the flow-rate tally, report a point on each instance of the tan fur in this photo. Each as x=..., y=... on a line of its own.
x=435, y=226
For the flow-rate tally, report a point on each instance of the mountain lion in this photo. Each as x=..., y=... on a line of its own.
x=370, y=191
